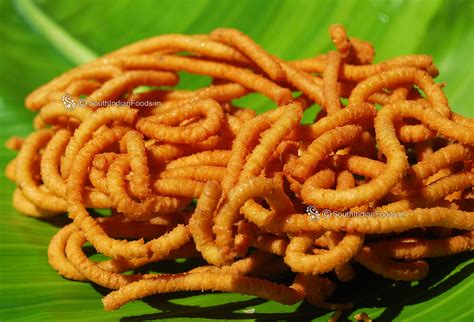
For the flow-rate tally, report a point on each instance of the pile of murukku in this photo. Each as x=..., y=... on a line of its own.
x=197, y=176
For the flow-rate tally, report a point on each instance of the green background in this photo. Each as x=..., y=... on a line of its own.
x=41, y=39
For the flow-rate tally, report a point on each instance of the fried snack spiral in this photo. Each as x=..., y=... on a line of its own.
x=383, y=187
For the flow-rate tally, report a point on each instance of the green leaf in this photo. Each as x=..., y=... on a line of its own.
x=41, y=39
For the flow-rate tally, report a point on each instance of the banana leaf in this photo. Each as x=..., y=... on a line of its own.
x=41, y=39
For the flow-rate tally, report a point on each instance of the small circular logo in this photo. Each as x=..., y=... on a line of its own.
x=313, y=213
x=68, y=102
x=82, y=102
x=326, y=213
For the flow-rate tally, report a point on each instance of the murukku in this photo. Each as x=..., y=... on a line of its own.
x=270, y=140
x=14, y=143
x=296, y=258
x=170, y=245
x=91, y=124
x=377, y=187
x=55, y=113
x=115, y=88
x=164, y=126
x=318, y=289
x=421, y=217
x=352, y=114
x=243, y=144
x=144, y=210
x=89, y=269
x=399, y=271
x=41, y=96
x=229, y=72
x=345, y=272
x=200, y=224
x=247, y=46
x=365, y=146
x=175, y=43
x=202, y=281
x=332, y=102
x=383, y=187
x=80, y=215
x=119, y=226
x=341, y=41
x=199, y=173
x=351, y=49
x=140, y=174
x=399, y=76
x=443, y=187
x=438, y=160
x=181, y=189
x=304, y=82
x=358, y=73
x=246, y=266
x=270, y=243
x=321, y=147
x=24, y=176
x=25, y=206
x=57, y=256
x=270, y=189
x=209, y=158
x=50, y=162
x=82, y=87
x=415, y=248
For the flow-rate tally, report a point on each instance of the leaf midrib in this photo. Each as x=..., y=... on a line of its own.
x=64, y=42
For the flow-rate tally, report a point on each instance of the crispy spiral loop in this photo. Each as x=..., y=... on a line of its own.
x=273, y=195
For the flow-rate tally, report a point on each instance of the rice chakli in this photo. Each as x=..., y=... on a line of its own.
x=382, y=177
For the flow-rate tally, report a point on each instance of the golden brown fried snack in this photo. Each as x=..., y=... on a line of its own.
x=273, y=195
